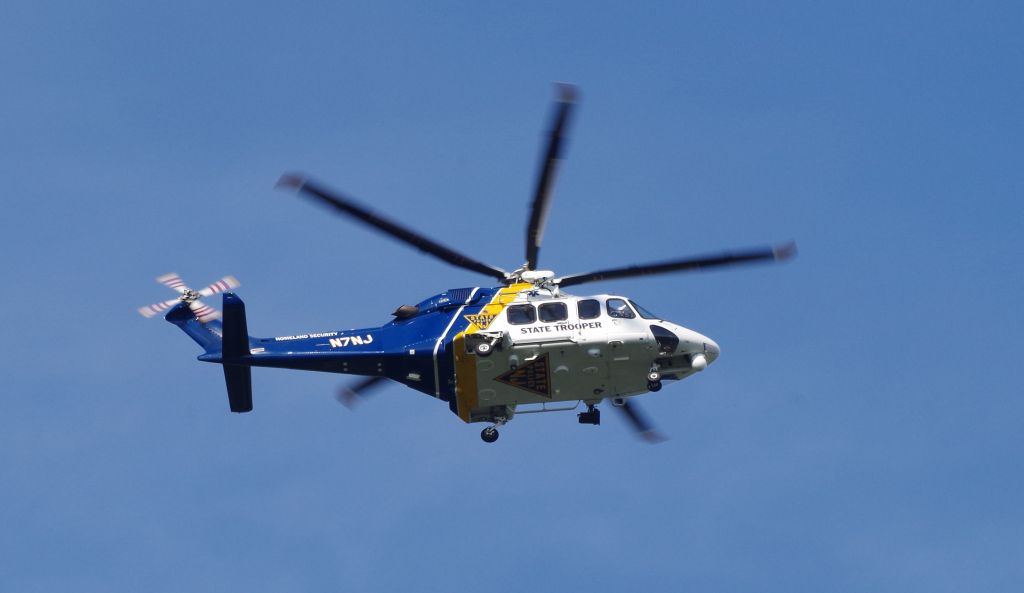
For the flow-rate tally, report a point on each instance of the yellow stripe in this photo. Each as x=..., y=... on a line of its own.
x=465, y=362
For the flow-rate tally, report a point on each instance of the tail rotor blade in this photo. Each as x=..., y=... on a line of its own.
x=157, y=308
x=548, y=172
x=203, y=312
x=173, y=281
x=223, y=285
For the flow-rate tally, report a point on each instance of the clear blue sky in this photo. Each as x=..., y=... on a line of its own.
x=861, y=432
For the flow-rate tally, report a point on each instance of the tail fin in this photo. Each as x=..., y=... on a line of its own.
x=226, y=343
x=238, y=376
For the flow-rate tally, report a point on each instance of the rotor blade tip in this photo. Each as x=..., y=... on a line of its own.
x=347, y=398
x=291, y=181
x=566, y=92
x=653, y=437
x=785, y=251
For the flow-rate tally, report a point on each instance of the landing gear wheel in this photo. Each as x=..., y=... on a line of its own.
x=489, y=434
x=484, y=349
x=654, y=386
x=653, y=377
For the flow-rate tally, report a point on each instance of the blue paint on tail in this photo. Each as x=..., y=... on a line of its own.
x=227, y=343
x=208, y=335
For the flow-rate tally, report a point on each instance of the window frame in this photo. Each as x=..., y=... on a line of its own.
x=579, y=313
x=521, y=306
x=607, y=307
x=643, y=313
x=551, y=305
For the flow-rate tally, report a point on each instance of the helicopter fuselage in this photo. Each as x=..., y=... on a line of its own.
x=487, y=351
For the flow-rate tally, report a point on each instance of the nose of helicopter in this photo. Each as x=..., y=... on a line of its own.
x=699, y=349
x=711, y=349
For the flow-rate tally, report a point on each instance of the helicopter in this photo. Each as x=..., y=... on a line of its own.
x=491, y=353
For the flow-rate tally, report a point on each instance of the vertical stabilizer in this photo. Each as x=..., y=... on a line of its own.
x=235, y=352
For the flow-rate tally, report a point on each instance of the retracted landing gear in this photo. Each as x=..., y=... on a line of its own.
x=591, y=416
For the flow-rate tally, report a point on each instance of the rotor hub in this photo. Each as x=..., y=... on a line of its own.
x=537, y=276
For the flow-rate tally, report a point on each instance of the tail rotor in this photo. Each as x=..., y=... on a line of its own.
x=191, y=297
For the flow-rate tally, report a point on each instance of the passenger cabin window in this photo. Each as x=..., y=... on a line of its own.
x=619, y=308
x=522, y=314
x=553, y=312
x=589, y=308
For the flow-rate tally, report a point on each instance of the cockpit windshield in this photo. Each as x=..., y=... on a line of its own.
x=644, y=312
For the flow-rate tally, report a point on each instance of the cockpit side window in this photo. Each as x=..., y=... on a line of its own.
x=619, y=308
x=643, y=312
x=589, y=308
x=521, y=314
x=550, y=312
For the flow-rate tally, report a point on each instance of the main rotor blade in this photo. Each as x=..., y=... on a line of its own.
x=351, y=208
x=349, y=396
x=549, y=169
x=640, y=422
x=705, y=262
